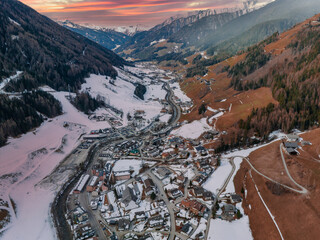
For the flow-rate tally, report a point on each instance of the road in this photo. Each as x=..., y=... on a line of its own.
x=84, y=202
x=170, y=206
x=175, y=108
x=303, y=189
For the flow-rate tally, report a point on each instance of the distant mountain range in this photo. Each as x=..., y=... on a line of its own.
x=212, y=31
x=221, y=32
x=107, y=38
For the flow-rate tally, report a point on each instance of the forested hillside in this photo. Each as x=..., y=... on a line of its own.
x=19, y=115
x=46, y=52
x=292, y=74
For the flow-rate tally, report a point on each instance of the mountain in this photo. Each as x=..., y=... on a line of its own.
x=46, y=52
x=184, y=31
x=130, y=30
x=35, y=51
x=251, y=36
x=290, y=11
x=225, y=31
x=270, y=86
x=107, y=38
x=143, y=45
x=179, y=21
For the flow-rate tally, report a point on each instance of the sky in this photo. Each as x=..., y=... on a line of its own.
x=123, y=12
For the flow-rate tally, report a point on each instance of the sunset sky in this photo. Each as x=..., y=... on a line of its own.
x=122, y=12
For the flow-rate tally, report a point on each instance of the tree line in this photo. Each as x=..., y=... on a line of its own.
x=19, y=115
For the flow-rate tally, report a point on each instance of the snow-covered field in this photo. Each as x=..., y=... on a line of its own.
x=26, y=160
x=179, y=93
x=193, y=129
x=218, y=177
x=121, y=94
x=224, y=230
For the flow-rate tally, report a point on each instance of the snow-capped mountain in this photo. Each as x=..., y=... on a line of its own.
x=130, y=30
x=108, y=38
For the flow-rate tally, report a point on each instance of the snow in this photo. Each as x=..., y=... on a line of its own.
x=25, y=166
x=212, y=110
x=121, y=94
x=128, y=164
x=230, y=187
x=216, y=116
x=171, y=186
x=14, y=22
x=117, y=46
x=26, y=160
x=218, y=177
x=224, y=230
x=7, y=80
x=201, y=228
x=193, y=129
x=179, y=93
x=165, y=118
x=153, y=42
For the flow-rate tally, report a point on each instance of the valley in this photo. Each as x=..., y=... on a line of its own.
x=204, y=126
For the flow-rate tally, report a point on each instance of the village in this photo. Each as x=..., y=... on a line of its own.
x=149, y=183
x=148, y=189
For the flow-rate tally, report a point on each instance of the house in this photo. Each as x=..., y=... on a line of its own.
x=187, y=229
x=202, y=150
x=123, y=224
x=121, y=175
x=134, y=152
x=235, y=198
x=194, y=207
x=292, y=147
x=79, y=215
x=163, y=172
x=148, y=183
x=229, y=210
x=84, y=231
x=92, y=183
x=292, y=151
x=207, y=196
x=148, y=191
x=156, y=221
x=140, y=216
x=180, y=179
x=197, y=191
x=81, y=183
x=293, y=137
x=128, y=197
x=175, y=193
x=136, y=189
x=198, y=181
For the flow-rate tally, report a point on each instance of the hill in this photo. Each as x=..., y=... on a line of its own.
x=46, y=52
x=273, y=85
x=294, y=11
x=36, y=51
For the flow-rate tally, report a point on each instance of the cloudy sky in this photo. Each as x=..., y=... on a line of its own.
x=123, y=12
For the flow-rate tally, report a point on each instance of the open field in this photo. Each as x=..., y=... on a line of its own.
x=295, y=214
